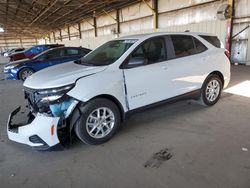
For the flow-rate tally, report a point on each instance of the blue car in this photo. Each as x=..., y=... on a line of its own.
x=20, y=70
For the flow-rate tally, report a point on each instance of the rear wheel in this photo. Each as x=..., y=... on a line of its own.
x=99, y=121
x=25, y=73
x=211, y=90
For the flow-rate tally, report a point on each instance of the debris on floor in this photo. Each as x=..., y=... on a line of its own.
x=13, y=175
x=158, y=158
x=244, y=149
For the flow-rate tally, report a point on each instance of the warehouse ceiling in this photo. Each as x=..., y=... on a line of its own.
x=35, y=18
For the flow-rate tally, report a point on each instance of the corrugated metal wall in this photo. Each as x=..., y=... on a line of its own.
x=8, y=43
x=181, y=15
x=241, y=43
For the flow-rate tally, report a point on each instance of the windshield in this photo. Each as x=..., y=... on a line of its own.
x=108, y=53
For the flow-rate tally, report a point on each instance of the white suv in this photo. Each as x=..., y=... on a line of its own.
x=93, y=95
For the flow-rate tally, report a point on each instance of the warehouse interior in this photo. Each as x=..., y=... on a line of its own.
x=205, y=147
x=91, y=23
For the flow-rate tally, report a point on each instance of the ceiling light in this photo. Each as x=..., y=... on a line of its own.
x=1, y=30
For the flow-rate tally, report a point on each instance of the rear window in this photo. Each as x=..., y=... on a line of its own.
x=212, y=40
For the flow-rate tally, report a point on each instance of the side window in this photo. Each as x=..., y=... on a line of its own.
x=53, y=54
x=151, y=51
x=200, y=47
x=71, y=52
x=39, y=49
x=183, y=45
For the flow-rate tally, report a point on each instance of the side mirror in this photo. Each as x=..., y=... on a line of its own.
x=136, y=62
x=78, y=61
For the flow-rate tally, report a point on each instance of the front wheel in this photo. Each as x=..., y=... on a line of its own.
x=99, y=121
x=211, y=90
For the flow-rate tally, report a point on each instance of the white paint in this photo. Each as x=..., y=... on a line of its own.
x=40, y=126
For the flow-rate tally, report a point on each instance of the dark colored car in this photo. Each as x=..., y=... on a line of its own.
x=33, y=51
x=20, y=70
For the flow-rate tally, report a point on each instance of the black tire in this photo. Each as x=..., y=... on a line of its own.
x=81, y=128
x=24, y=72
x=204, y=98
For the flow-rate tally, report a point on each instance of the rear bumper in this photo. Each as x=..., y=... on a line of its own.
x=41, y=133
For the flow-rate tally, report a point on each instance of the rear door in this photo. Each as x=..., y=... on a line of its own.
x=188, y=67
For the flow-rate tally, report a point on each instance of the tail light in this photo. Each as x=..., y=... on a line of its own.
x=227, y=53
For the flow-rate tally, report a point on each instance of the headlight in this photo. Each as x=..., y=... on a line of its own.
x=10, y=66
x=49, y=95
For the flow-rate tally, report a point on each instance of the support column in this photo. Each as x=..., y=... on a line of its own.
x=60, y=33
x=95, y=26
x=155, y=13
x=69, y=33
x=21, y=42
x=118, y=21
x=49, y=39
x=230, y=26
x=154, y=8
x=54, y=37
x=80, y=30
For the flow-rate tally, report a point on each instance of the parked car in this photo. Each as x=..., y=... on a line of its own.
x=12, y=51
x=33, y=51
x=92, y=97
x=20, y=70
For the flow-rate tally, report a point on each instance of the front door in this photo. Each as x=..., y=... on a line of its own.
x=145, y=73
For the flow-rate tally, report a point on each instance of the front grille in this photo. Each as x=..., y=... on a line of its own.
x=29, y=94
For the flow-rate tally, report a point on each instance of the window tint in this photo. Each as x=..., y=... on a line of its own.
x=152, y=50
x=53, y=54
x=200, y=47
x=71, y=52
x=183, y=45
x=212, y=40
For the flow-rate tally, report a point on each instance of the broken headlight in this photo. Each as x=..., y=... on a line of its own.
x=50, y=95
x=40, y=100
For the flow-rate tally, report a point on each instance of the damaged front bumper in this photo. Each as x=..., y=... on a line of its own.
x=40, y=133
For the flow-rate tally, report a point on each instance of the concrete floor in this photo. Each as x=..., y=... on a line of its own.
x=206, y=144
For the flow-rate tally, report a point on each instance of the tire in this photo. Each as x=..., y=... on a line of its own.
x=211, y=90
x=25, y=73
x=94, y=129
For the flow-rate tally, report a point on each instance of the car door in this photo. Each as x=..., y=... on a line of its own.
x=144, y=73
x=187, y=69
x=71, y=54
x=49, y=58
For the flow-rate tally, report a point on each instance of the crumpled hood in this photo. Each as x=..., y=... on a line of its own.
x=60, y=75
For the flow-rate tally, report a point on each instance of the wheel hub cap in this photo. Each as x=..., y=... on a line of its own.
x=100, y=122
x=212, y=90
